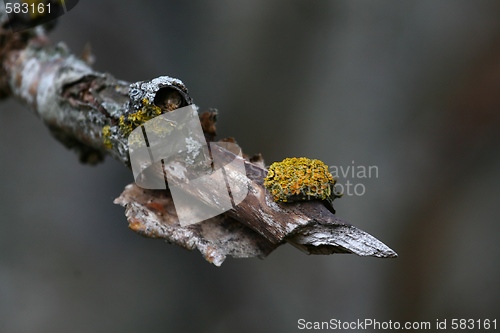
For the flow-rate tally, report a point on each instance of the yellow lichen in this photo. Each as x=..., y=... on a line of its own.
x=300, y=179
x=106, y=137
x=128, y=123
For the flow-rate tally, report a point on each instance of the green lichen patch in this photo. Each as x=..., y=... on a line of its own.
x=131, y=121
x=128, y=122
x=106, y=137
x=295, y=179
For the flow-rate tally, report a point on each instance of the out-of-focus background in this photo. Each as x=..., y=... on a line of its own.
x=411, y=87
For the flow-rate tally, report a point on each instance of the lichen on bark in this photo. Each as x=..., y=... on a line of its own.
x=83, y=109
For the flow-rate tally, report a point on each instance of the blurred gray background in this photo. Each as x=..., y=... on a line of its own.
x=412, y=87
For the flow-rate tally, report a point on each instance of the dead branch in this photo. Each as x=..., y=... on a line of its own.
x=85, y=110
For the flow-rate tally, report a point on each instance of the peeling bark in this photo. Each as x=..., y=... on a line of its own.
x=86, y=110
x=152, y=214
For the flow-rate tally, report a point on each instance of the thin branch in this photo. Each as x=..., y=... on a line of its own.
x=86, y=110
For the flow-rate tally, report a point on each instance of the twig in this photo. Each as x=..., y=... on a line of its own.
x=86, y=110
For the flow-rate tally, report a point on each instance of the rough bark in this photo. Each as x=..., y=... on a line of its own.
x=78, y=103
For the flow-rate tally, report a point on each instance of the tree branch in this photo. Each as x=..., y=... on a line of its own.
x=88, y=111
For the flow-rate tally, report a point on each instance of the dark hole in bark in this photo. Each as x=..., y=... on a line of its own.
x=169, y=99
